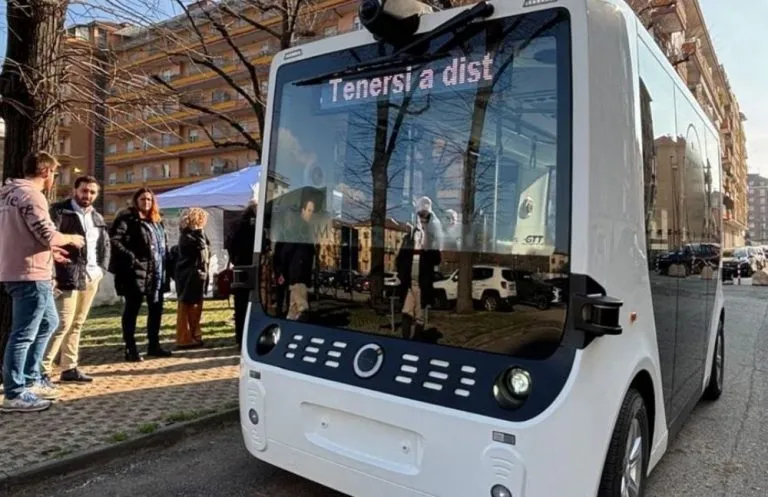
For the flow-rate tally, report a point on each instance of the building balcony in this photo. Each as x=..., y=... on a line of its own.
x=669, y=15
x=208, y=78
x=699, y=71
x=182, y=115
x=159, y=184
x=173, y=148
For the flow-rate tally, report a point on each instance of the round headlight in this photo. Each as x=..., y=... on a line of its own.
x=519, y=382
x=500, y=491
x=512, y=388
x=268, y=339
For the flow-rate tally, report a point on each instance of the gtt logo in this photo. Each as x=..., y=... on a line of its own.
x=534, y=239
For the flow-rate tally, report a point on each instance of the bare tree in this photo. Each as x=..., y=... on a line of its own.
x=28, y=86
x=216, y=37
x=46, y=75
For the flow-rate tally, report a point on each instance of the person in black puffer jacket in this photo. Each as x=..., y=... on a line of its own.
x=77, y=280
x=294, y=259
x=191, y=276
x=139, y=262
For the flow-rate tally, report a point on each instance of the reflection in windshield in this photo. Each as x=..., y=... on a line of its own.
x=432, y=202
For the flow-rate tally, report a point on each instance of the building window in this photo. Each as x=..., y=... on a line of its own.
x=146, y=173
x=219, y=96
x=111, y=207
x=194, y=168
x=112, y=178
x=129, y=176
x=166, y=170
x=193, y=135
x=82, y=33
x=112, y=149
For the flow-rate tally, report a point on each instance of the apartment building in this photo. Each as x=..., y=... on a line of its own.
x=170, y=145
x=80, y=140
x=679, y=29
x=758, y=209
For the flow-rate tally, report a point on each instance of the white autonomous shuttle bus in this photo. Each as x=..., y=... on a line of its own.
x=532, y=158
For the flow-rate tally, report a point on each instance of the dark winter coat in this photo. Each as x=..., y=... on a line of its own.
x=294, y=257
x=132, y=261
x=239, y=243
x=191, y=271
x=428, y=261
x=73, y=275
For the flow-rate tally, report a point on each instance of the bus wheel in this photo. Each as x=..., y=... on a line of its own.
x=627, y=461
x=715, y=386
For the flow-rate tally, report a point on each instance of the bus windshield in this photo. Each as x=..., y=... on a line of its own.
x=428, y=200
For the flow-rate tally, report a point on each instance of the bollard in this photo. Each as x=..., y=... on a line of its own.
x=738, y=275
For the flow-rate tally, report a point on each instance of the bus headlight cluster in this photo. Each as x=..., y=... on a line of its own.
x=519, y=382
x=268, y=339
x=500, y=491
x=512, y=388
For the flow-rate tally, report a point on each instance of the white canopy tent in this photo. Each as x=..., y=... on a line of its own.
x=230, y=191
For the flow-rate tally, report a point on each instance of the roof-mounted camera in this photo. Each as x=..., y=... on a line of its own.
x=392, y=20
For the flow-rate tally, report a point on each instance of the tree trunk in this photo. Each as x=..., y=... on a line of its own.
x=380, y=176
x=29, y=86
x=464, y=302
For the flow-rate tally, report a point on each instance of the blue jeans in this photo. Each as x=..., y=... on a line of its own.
x=34, y=320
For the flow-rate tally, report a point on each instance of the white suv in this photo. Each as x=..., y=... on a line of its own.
x=489, y=287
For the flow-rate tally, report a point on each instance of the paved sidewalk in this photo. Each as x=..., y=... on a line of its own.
x=125, y=399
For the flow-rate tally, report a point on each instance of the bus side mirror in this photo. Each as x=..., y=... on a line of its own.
x=597, y=315
x=245, y=277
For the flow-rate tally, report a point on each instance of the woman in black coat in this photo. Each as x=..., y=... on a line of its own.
x=191, y=276
x=139, y=262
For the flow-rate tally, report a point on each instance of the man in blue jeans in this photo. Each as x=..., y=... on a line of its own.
x=28, y=246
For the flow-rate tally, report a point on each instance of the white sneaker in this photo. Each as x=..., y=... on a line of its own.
x=48, y=392
x=26, y=402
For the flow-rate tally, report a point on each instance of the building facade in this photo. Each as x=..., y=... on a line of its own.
x=80, y=133
x=758, y=209
x=679, y=29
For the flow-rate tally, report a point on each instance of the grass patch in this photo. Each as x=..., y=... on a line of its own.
x=183, y=416
x=148, y=428
x=103, y=328
x=120, y=436
x=61, y=453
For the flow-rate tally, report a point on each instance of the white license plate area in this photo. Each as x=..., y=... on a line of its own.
x=363, y=439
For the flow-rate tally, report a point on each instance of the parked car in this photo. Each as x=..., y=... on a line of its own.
x=489, y=287
x=532, y=290
x=741, y=260
x=692, y=256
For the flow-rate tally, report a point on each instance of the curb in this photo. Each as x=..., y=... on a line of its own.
x=167, y=435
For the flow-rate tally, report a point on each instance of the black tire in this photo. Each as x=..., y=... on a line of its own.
x=441, y=300
x=491, y=301
x=633, y=418
x=716, y=379
x=542, y=302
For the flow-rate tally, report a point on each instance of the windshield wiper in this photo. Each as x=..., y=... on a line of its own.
x=482, y=9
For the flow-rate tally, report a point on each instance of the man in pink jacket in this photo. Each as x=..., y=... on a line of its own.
x=27, y=248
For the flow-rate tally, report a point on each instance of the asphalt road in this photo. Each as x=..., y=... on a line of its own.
x=722, y=450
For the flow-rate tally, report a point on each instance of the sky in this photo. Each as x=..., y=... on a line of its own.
x=733, y=28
